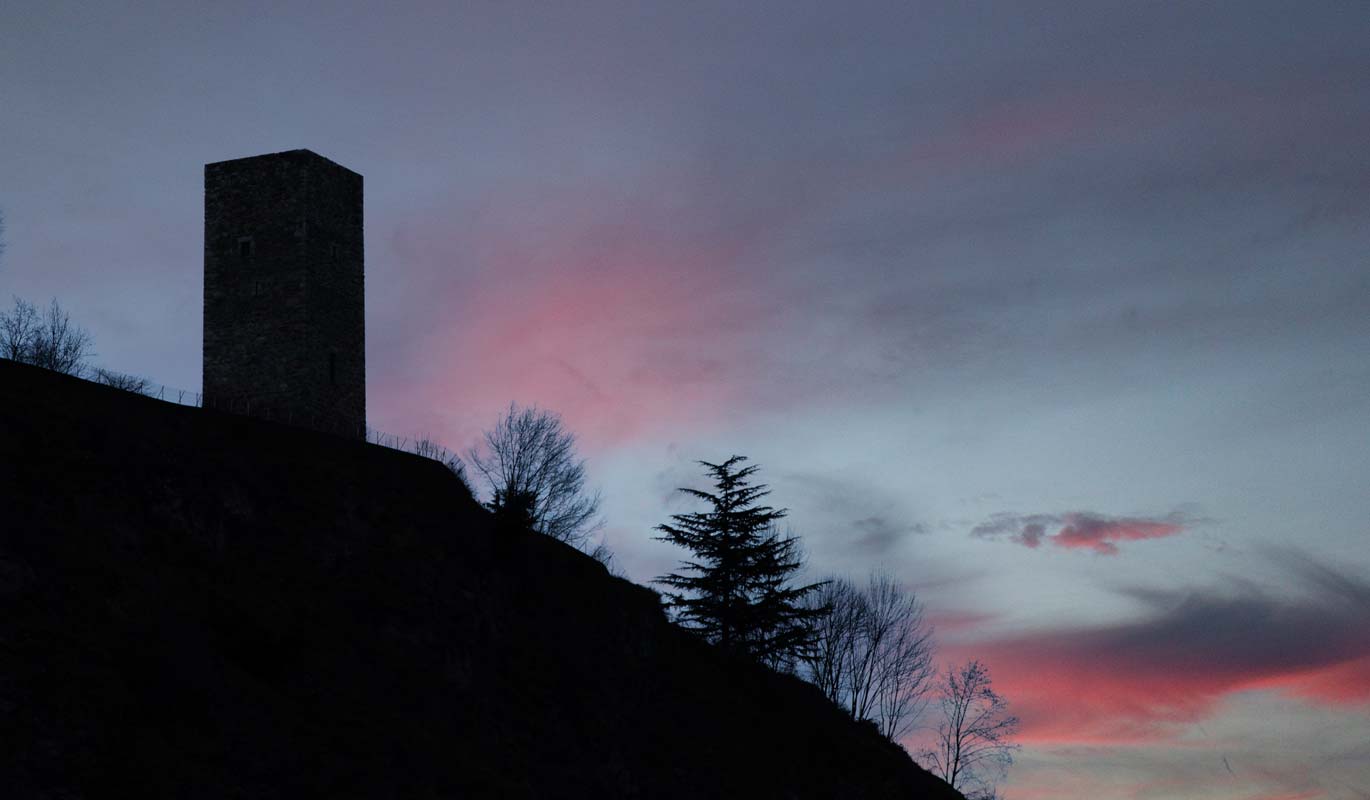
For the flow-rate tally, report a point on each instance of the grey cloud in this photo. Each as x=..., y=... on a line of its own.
x=1031, y=534
x=1247, y=629
x=880, y=535
x=868, y=521
x=1083, y=529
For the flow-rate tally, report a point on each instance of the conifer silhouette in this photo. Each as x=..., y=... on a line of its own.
x=736, y=593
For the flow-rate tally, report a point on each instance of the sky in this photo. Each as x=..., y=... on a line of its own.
x=1056, y=312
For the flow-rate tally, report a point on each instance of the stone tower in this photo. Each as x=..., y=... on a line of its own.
x=284, y=324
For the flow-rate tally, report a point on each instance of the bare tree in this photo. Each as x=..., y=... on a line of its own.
x=835, y=637
x=529, y=464
x=873, y=654
x=904, y=668
x=973, y=744
x=19, y=329
x=45, y=339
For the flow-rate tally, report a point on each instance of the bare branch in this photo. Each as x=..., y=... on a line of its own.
x=128, y=383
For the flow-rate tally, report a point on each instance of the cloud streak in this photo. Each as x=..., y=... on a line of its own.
x=1145, y=679
x=1081, y=530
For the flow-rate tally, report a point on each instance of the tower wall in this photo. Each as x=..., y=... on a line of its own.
x=284, y=321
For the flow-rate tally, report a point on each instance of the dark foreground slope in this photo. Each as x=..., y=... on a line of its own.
x=198, y=605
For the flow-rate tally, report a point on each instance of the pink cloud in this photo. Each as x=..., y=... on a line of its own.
x=1101, y=534
x=1080, y=529
x=1341, y=683
x=624, y=327
x=1137, y=680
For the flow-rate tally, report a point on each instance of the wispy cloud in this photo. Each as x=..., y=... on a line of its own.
x=852, y=518
x=1081, y=529
x=1140, y=679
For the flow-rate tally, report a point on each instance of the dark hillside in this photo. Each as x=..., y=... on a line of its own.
x=200, y=605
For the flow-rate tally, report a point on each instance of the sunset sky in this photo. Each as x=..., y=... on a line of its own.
x=1058, y=312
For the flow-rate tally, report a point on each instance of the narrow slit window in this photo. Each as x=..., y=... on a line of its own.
x=245, y=247
x=333, y=369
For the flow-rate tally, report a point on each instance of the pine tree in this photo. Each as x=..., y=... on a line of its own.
x=736, y=593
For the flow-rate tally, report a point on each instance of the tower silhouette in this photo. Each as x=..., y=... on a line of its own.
x=284, y=302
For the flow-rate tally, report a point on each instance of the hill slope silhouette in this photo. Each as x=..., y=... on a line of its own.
x=199, y=605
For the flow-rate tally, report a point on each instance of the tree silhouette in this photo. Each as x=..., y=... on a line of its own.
x=47, y=339
x=973, y=746
x=872, y=653
x=530, y=467
x=736, y=593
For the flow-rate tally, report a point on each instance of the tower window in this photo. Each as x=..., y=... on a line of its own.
x=333, y=368
x=245, y=247
x=334, y=251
